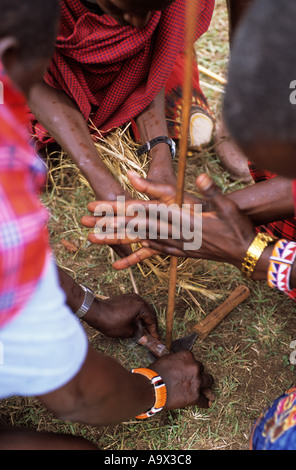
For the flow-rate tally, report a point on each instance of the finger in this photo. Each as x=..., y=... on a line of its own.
x=209, y=394
x=206, y=185
x=130, y=229
x=205, y=398
x=149, y=319
x=135, y=258
x=114, y=239
x=94, y=206
x=88, y=221
x=122, y=251
x=161, y=246
x=202, y=401
x=206, y=380
x=212, y=193
x=118, y=207
x=165, y=192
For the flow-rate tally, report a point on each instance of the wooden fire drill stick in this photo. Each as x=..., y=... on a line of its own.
x=191, y=19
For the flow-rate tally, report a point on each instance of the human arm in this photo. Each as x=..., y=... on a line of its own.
x=65, y=123
x=63, y=120
x=105, y=393
x=117, y=317
x=151, y=123
x=227, y=234
x=264, y=202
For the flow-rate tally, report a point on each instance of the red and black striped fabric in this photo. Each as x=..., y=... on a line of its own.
x=282, y=228
x=113, y=72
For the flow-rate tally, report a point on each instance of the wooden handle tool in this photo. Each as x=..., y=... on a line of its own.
x=200, y=330
x=205, y=326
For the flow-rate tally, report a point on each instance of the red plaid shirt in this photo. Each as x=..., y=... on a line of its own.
x=23, y=237
x=113, y=72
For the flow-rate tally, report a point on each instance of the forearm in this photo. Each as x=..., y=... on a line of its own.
x=66, y=124
x=151, y=123
x=267, y=201
x=102, y=393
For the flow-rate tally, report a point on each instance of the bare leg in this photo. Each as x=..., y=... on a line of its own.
x=230, y=155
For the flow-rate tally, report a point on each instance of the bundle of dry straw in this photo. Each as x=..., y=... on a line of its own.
x=118, y=151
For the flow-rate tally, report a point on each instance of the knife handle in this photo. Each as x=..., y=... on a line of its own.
x=207, y=324
x=157, y=348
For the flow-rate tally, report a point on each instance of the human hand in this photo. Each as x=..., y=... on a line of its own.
x=226, y=232
x=161, y=174
x=186, y=382
x=110, y=194
x=158, y=193
x=123, y=316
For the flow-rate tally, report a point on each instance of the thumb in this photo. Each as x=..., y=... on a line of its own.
x=213, y=194
x=206, y=186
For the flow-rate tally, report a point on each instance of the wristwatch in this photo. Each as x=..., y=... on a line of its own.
x=158, y=140
x=89, y=297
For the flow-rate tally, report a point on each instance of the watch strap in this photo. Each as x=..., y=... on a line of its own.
x=158, y=140
x=89, y=297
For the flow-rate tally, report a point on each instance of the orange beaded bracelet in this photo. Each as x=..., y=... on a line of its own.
x=159, y=390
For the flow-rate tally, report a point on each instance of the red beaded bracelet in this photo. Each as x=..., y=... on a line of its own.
x=280, y=266
x=159, y=390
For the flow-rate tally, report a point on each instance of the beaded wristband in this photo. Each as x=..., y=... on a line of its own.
x=159, y=390
x=280, y=266
x=255, y=250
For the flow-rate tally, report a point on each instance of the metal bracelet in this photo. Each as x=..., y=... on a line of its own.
x=89, y=297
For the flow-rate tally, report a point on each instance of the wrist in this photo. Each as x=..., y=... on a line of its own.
x=281, y=274
x=161, y=145
x=110, y=192
x=98, y=316
x=251, y=266
x=161, y=168
x=261, y=270
x=159, y=392
x=161, y=152
x=88, y=300
x=93, y=316
x=103, y=184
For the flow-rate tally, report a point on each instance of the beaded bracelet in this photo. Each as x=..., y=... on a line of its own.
x=280, y=267
x=159, y=390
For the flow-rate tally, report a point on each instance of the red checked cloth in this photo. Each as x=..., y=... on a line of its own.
x=282, y=228
x=23, y=237
x=113, y=72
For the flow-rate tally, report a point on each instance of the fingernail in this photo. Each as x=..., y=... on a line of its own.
x=133, y=173
x=204, y=182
